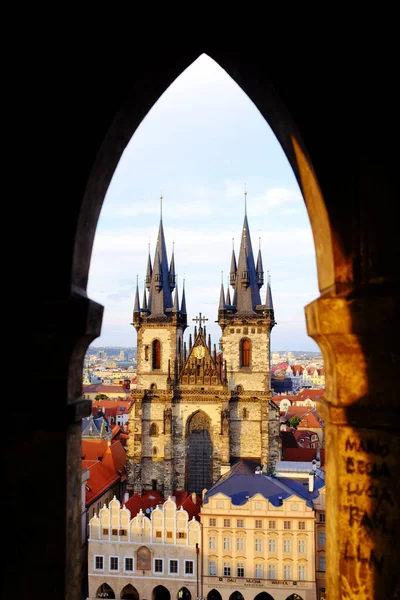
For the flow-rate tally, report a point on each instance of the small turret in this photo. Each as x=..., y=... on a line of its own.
x=171, y=272
x=136, y=307
x=259, y=268
x=149, y=272
x=233, y=271
x=222, y=298
x=183, y=303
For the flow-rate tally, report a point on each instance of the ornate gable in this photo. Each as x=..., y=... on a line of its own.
x=201, y=368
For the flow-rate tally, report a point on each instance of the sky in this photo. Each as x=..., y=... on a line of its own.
x=201, y=145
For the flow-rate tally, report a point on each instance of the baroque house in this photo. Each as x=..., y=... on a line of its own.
x=197, y=411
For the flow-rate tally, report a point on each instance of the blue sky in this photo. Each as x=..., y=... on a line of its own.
x=201, y=143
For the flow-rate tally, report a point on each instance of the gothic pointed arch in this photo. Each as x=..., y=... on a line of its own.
x=160, y=593
x=214, y=595
x=263, y=596
x=105, y=591
x=129, y=592
x=245, y=352
x=156, y=354
x=199, y=451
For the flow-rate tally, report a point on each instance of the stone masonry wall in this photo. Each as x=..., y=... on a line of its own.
x=255, y=377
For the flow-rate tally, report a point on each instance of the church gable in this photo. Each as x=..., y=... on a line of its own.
x=201, y=368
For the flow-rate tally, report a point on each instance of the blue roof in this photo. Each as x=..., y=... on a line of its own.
x=240, y=487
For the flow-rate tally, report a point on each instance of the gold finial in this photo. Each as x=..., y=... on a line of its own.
x=222, y=277
x=259, y=242
x=161, y=199
x=245, y=200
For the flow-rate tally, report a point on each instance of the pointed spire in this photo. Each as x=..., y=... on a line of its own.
x=268, y=300
x=160, y=296
x=144, y=303
x=183, y=303
x=176, y=300
x=149, y=271
x=247, y=292
x=190, y=342
x=259, y=267
x=136, y=307
x=171, y=274
x=228, y=295
x=222, y=298
x=233, y=266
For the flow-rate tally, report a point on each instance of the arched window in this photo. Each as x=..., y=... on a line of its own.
x=245, y=413
x=153, y=429
x=156, y=354
x=245, y=353
x=154, y=451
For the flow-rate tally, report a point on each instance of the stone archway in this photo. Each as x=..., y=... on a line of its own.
x=236, y=596
x=357, y=311
x=214, y=595
x=263, y=596
x=184, y=594
x=105, y=591
x=294, y=597
x=160, y=593
x=129, y=593
x=199, y=451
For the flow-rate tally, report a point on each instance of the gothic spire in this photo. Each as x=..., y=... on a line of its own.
x=247, y=288
x=233, y=267
x=136, y=307
x=222, y=298
x=259, y=267
x=176, y=299
x=171, y=274
x=268, y=300
x=149, y=271
x=228, y=297
x=160, y=297
x=144, y=302
x=183, y=303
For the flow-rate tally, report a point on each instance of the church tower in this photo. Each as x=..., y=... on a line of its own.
x=246, y=323
x=160, y=322
x=196, y=411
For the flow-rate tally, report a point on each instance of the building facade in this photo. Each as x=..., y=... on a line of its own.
x=142, y=558
x=259, y=539
x=197, y=411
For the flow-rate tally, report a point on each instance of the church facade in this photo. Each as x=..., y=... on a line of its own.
x=196, y=410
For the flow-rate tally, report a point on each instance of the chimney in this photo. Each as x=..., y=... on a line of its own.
x=311, y=481
x=194, y=497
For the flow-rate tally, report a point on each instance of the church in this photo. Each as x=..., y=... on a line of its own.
x=197, y=410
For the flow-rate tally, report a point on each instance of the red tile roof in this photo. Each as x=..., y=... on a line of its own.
x=304, y=454
x=151, y=499
x=313, y=394
x=105, y=389
x=106, y=464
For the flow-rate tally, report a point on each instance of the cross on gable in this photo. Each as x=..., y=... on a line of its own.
x=200, y=320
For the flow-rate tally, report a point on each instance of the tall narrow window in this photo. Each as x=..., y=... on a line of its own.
x=245, y=353
x=156, y=354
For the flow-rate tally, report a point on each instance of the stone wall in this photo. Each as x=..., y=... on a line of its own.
x=255, y=377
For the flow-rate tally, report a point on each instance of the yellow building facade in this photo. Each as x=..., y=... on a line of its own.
x=252, y=545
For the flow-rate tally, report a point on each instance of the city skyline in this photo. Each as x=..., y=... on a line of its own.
x=203, y=143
